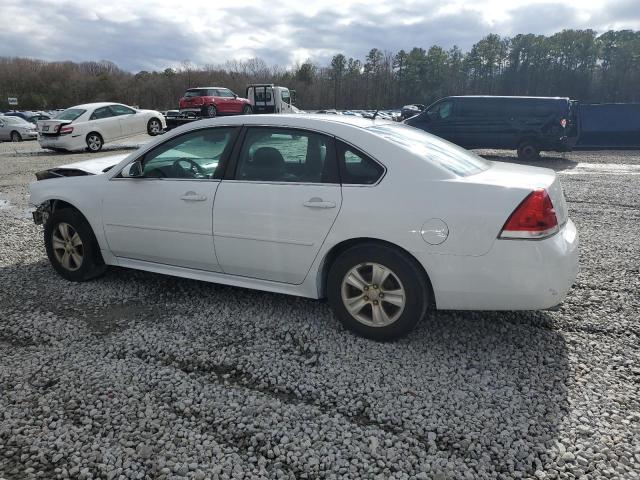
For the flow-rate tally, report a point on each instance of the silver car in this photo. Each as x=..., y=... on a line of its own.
x=16, y=129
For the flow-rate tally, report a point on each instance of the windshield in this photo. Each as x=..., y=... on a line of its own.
x=457, y=160
x=70, y=114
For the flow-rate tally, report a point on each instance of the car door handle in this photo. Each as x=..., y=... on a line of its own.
x=193, y=197
x=317, y=202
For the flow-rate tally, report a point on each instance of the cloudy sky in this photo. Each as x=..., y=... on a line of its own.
x=141, y=34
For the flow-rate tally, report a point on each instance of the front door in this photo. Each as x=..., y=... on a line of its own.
x=274, y=212
x=165, y=216
x=439, y=120
x=131, y=122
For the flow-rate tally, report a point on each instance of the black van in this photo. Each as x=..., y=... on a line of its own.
x=528, y=124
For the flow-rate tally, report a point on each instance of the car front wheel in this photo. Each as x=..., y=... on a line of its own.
x=377, y=291
x=94, y=142
x=72, y=247
x=247, y=110
x=16, y=137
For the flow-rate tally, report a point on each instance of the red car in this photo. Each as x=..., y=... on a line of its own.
x=213, y=101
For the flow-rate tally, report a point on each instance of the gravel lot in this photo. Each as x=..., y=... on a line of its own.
x=138, y=375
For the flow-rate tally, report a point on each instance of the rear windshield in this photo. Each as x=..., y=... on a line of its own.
x=456, y=160
x=70, y=114
x=14, y=120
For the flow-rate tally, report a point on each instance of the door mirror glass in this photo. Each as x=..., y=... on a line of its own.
x=133, y=170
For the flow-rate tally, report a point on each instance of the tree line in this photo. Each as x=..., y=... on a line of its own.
x=576, y=63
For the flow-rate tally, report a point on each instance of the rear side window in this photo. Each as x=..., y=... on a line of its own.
x=356, y=168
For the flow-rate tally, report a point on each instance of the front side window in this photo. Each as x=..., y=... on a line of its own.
x=286, y=98
x=100, y=113
x=122, y=110
x=194, y=155
x=285, y=155
x=356, y=168
x=441, y=111
x=225, y=92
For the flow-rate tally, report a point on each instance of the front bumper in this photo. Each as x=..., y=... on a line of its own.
x=513, y=275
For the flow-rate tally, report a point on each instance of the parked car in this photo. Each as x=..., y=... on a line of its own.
x=409, y=111
x=16, y=129
x=384, y=220
x=213, y=101
x=92, y=125
x=31, y=117
x=528, y=124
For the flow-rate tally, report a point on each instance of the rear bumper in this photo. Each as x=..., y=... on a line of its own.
x=66, y=142
x=513, y=275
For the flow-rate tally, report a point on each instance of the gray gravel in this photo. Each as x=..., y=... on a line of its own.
x=138, y=375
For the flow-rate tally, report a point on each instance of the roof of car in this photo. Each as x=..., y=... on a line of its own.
x=86, y=106
x=293, y=120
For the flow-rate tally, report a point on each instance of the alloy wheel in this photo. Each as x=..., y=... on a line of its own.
x=67, y=246
x=154, y=127
x=94, y=142
x=373, y=294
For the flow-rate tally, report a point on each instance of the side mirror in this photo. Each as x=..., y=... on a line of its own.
x=133, y=170
x=235, y=96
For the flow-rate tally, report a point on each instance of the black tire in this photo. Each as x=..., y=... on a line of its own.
x=417, y=295
x=16, y=137
x=528, y=151
x=247, y=110
x=154, y=127
x=211, y=111
x=91, y=265
x=94, y=142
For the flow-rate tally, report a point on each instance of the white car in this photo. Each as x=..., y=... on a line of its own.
x=384, y=220
x=16, y=129
x=92, y=125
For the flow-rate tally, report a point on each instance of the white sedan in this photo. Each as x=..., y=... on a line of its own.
x=92, y=125
x=384, y=220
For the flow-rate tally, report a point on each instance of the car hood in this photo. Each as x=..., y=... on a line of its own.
x=94, y=166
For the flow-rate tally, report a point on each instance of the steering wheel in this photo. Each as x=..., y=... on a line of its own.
x=193, y=170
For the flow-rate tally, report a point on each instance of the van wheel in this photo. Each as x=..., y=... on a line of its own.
x=94, y=142
x=528, y=151
x=72, y=247
x=247, y=110
x=377, y=291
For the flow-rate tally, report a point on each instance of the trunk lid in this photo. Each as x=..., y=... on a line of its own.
x=51, y=127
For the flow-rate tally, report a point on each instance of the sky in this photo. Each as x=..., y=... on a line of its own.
x=153, y=35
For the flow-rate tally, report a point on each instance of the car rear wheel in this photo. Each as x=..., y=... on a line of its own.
x=377, y=291
x=528, y=151
x=16, y=137
x=211, y=111
x=94, y=142
x=72, y=247
x=247, y=110
x=154, y=127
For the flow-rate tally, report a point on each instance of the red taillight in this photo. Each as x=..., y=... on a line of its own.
x=563, y=123
x=66, y=130
x=533, y=218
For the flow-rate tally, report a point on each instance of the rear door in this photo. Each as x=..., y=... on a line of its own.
x=275, y=209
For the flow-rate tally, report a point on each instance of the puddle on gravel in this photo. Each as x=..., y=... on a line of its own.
x=603, y=169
